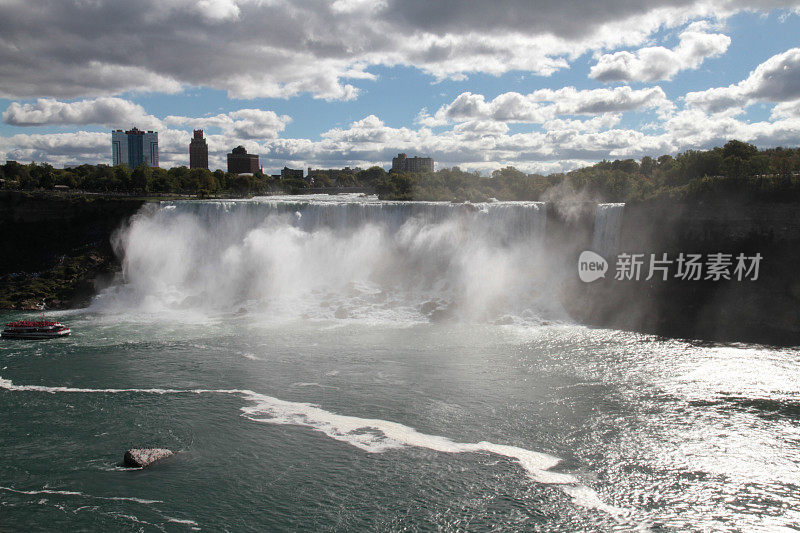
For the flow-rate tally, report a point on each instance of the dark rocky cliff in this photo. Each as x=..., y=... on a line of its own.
x=56, y=249
x=766, y=310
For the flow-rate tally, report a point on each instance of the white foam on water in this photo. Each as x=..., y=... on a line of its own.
x=371, y=435
x=43, y=491
x=76, y=493
x=590, y=499
x=181, y=521
x=9, y=385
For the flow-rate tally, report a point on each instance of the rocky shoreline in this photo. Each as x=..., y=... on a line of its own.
x=56, y=251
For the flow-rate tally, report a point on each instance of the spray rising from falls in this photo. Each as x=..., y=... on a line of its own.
x=351, y=258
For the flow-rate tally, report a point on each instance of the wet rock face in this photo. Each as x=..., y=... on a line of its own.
x=57, y=250
x=141, y=457
x=765, y=310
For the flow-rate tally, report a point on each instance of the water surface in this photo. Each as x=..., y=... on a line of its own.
x=335, y=399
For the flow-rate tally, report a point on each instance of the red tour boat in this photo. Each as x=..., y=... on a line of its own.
x=38, y=329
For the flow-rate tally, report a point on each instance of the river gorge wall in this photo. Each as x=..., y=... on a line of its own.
x=56, y=248
x=764, y=310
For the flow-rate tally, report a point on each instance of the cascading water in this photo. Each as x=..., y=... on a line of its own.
x=607, y=227
x=337, y=258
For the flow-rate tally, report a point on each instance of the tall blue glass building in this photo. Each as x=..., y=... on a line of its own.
x=134, y=147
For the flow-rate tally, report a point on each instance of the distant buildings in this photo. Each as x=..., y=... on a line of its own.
x=240, y=162
x=291, y=173
x=134, y=147
x=402, y=163
x=198, y=151
x=332, y=173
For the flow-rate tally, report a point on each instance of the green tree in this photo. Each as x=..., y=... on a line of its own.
x=647, y=165
x=221, y=179
x=43, y=174
x=122, y=174
x=508, y=173
x=371, y=176
x=140, y=178
x=160, y=180
x=629, y=166
x=322, y=180
x=241, y=185
x=206, y=184
x=739, y=149
x=346, y=179
x=293, y=185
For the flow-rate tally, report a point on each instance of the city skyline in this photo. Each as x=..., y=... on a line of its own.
x=477, y=86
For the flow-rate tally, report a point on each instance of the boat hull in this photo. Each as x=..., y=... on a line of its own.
x=35, y=335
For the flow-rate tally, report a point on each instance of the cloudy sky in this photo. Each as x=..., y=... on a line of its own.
x=544, y=85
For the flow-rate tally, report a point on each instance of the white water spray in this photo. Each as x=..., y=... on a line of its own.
x=351, y=258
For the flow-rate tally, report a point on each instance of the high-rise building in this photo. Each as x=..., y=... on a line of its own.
x=412, y=164
x=240, y=162
x=134, y=147
x=198, y=151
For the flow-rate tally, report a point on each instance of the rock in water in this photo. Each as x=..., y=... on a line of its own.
x=141, y=457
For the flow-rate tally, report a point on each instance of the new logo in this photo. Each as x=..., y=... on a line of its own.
x=591, y=266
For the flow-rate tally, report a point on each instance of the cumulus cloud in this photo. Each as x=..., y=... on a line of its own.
x=786, y=110
x=599, y=123
x=57, y=148
x=775, y=80
x=241, y=124
x=571, y=101
x=693, y=128
x=280, y=48
x=660, y=63
x=109, y=112
x=546, y=104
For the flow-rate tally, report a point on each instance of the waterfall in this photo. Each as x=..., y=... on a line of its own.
x=607, y=227
x=505, y=220
x=335, y=257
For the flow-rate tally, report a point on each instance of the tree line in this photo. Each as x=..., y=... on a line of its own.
x=735, y=169
x=145, y=180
